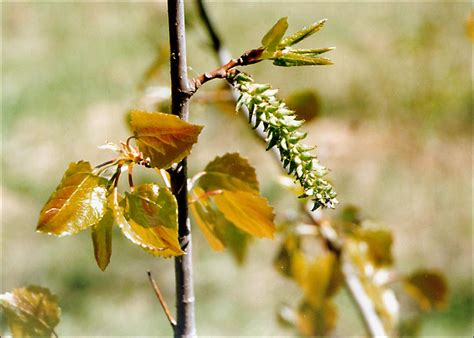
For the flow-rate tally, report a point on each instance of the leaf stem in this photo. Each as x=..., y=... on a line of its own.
x=162, y=301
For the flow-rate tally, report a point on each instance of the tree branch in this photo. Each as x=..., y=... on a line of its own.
x=352, y=282
x=181, y=90
x=158, y=294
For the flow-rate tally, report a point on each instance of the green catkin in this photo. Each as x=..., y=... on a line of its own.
x=281, y=127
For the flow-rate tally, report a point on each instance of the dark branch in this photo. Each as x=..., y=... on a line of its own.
x=180, y=94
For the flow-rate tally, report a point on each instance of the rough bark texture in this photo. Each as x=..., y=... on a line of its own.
x=180, y=94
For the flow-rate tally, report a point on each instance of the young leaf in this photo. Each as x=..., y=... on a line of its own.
x=302, y=34
x=31, y=311
x=78, y=203
x=229, y=172
x=428, y=288
x=102, y=240
x=151, y=206
x=164, y=138
x=249, y=212
x=316, y=321
x=158, y=241
x=291, y=59
x=319, y=280
x=206, y=220
x=273, y=37
x=219, y=232
x=379, y=241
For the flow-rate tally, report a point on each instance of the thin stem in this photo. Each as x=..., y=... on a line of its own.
x=353, y=284
x=130, y=177
x=162, y=301
x=181, y=91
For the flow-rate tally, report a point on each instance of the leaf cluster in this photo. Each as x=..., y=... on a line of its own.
x=278, y=48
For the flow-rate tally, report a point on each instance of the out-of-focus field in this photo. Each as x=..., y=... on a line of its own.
x=395, y=129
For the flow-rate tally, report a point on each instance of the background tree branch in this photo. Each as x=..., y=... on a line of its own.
x=352, y=282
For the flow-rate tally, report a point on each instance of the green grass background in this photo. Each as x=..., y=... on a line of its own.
x=395, y=129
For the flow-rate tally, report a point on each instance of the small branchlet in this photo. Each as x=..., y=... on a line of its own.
x=281, y=127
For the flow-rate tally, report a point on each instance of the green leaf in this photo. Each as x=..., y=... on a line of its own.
x=229, y=172
x=102, y=240
x=286, y=260
x=249, y=212
x=302, y=34
x=151, y=206
x=291, y=59
x=273, y=37
x=158, y=241
x=316, y=321
x=78, y=203
x=428, y=288
x=379, y=241
x=164, y=138
x=31, y=311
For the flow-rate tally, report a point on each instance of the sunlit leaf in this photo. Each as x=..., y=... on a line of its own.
x=285, y=260
x=306, y=104
x=229, y=172
x=206, y=219
x=159, y=240
x=302, y=34
x=249, y=212
x=379, y=241
x=428, y=288
x=31, y=311
x=152, y=206
x=78, y=203
x=102, y=240
x=291, y=59
x=320, y=279
x=317, y=321
x=219, y=232
x=164, y=138
x=273, y=37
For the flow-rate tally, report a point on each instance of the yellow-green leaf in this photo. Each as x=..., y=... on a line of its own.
x=302, y=34
x=206, y=219
x=164, y=138
x=229, y=172
x=102, y=239
x=290, y=59
x=159, y=240
x=249, y=212
x=285, y=260
x=273, y=37
x=78, y=203
x=319, y=279
x=379, y=241
x=31, y=311
x=219, y=232
x=316, y=321
x=428, y=288
x=151, y=206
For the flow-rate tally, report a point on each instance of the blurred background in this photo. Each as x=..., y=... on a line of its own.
x=394, y=119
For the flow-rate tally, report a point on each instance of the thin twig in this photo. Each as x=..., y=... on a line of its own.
x=353, y=284
x=158, y=294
